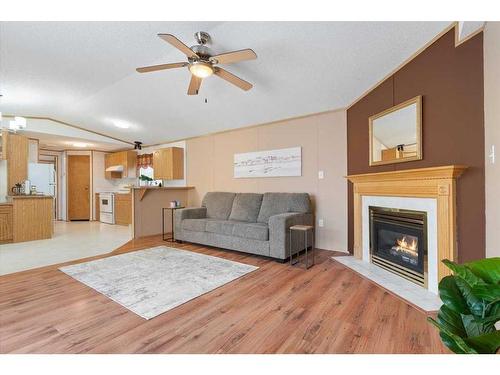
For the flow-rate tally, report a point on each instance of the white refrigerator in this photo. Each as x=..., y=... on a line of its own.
x=43, y=176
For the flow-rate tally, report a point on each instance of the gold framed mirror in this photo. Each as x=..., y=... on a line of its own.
x=396, y=133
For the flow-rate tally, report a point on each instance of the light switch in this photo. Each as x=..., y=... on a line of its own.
x=321, y=223
x=321, y=175
x=492, y=154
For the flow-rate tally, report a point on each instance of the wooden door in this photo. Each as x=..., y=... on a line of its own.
x=78, y=187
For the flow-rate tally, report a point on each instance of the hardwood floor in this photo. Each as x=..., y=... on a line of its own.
x=276, y=309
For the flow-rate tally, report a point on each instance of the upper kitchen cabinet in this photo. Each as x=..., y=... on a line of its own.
x=120, y=165
x=168, y=163
x=15, y=151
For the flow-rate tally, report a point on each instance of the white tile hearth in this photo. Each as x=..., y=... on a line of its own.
x=152, y=281
x=405, y=289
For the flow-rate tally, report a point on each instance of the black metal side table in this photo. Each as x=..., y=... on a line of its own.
x=302, y=229
x=172, y=209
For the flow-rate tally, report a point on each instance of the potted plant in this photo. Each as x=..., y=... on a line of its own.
x=471, y=307
x=145, y=178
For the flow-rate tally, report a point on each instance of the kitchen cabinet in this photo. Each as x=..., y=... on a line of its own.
x=123, y=209
x=6, y=219
x=15, y=150
x=126, y=159
x=168, y=163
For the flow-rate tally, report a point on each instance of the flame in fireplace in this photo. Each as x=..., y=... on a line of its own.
x=407, y=246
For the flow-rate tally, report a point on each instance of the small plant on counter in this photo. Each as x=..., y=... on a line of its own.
x=143, y=177
x=471, y=307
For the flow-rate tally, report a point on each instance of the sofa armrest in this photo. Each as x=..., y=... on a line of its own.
x=188, y=213
x=279, y=237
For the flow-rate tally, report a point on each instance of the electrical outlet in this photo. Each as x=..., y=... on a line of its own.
x=321, y=223
x=321, y=175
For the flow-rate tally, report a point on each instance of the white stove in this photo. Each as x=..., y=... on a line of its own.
x=107, y=208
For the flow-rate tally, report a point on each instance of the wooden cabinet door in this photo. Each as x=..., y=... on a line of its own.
x=160, y=169
x=78, y=187
x=17, y=160
x=123, y=209
x=168, y=163
x=6, y=232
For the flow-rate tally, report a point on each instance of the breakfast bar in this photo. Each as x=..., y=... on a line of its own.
x=26, y=218
x=147, y=204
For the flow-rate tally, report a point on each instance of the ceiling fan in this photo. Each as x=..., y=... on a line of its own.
x=202, y=64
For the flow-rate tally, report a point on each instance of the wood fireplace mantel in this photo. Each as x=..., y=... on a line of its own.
x=435, y=182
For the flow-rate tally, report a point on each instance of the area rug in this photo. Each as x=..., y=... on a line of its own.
x=152, y=281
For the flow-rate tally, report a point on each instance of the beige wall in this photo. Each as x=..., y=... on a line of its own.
x=323, y=141
x=492, y=135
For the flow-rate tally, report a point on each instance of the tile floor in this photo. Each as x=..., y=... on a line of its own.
x=407, y=290
x=72, y=240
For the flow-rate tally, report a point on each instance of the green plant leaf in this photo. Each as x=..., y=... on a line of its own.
x=493, y=310
x=476, y=305
x=487, y=343
x=476, y=326
x=465, y=273
x=451, y=321
x=488, y=292
x=454, y=342
x=451, y=295
x=487, y=269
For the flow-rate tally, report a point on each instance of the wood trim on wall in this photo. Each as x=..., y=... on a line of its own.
x=276, y=122
x=72, y=126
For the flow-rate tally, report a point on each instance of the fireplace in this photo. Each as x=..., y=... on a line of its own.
x=398, y=242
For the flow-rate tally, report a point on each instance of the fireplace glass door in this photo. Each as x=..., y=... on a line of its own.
x=398, y=241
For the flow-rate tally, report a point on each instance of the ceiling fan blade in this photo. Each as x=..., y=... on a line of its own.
x=154, y=68
x=234, y=56
x=194, y=85
x=231, y=78
x=179, y=45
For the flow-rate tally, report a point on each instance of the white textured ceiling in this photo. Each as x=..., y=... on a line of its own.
x=84, y=72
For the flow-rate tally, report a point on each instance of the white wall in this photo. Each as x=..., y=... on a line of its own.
x=3, y=178
x=492, y=135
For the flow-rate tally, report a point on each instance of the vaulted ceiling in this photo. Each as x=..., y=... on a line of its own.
x=84, y=72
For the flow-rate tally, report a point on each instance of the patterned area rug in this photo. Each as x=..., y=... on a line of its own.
x=152, y=281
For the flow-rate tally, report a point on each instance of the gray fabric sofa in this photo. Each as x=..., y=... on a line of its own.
x=247, y=222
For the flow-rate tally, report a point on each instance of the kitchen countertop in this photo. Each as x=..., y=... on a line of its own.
x=163, y=187
x=9, y=199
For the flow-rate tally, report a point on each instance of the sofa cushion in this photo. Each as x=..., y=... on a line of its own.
x=246, y=207
x=280, y=203
x=196, y=225
x=253, y=231
x=218, y=204
x=220, y=227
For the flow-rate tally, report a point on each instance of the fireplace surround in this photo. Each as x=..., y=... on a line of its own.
x=435, y=185
x=398, y=242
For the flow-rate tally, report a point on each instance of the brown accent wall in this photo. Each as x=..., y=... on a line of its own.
x=450, y=79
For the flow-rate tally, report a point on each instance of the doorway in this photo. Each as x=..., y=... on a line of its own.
x=78, y=187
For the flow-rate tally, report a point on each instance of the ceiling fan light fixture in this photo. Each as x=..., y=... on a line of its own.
x=201, y=69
